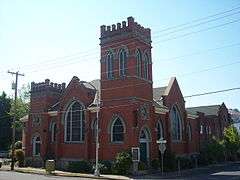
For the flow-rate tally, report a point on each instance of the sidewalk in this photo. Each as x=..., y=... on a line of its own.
x=63, y=173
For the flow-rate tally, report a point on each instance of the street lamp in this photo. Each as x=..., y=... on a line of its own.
x=95, y=107
x=162, y=147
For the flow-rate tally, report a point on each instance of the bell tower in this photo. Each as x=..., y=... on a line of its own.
x=126, y=62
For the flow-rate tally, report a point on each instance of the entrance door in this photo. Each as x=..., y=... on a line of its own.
x=143, y=152
x=144, y=141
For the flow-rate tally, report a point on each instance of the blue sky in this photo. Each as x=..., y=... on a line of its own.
x=58, y=39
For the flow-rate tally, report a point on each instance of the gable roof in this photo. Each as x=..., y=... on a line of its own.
x=207, y=110
x=163, y=91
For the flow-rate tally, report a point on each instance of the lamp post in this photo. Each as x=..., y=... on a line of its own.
x=162, y=147
x=95, y=107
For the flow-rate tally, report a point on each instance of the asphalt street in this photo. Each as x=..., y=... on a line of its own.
x=8, y=175
x=217, y=172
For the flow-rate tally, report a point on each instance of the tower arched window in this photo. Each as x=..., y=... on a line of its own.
x=75, y=123
x=117, y=130
x=109, y=64
x=36, y=146
x=139, y=63
x=145, y=66
x=159, y=130
x=122, y=62
x=176, y=124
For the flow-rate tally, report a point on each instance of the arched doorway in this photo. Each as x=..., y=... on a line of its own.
x=144, y=141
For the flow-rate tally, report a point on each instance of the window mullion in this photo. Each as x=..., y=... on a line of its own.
x=81, y=124
x=70, y=124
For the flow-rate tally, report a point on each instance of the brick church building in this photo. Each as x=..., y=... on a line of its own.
x=132, y=113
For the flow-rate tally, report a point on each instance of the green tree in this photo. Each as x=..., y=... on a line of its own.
x=5, y=122
x=22, y=108
x=231, y=141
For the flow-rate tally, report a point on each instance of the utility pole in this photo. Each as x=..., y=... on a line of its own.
x=15, y=112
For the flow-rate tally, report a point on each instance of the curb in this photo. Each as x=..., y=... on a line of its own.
x=63, y=174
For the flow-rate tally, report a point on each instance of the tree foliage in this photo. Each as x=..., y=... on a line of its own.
x=5, y=121
x=231, y=141
x=22, y=107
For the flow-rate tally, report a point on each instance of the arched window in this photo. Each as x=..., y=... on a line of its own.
x=36, y=146
x=109, y=65
x=75, y=123
x=210, y=130
x=139, y=63
x=53, y=132
x=117, y=130
x=201, y=129
x=159, y=130
x=145, y=66
x=94, y=129
x=122, y=62
x=176, y=124
x=189, y=132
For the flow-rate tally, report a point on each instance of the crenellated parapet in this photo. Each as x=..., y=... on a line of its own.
x=47, y=86
x=128, y=29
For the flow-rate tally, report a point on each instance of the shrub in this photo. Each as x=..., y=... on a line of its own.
x=185, y=162
x=19, y=155
x=122, y=163
x=18, y=145
x=141, y=166
x=169, y=161
x=155, y=164
x=106, y=167
x=212, y=152
x=80, y=166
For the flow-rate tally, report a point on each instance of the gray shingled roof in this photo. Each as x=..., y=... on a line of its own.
x=158, y=92
x=207, y=110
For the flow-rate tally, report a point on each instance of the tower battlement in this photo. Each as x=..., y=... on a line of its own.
x=47, y=85
x=128, y=28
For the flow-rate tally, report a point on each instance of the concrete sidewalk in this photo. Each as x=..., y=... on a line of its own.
x=63, y=173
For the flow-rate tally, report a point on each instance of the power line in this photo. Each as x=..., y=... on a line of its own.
x=197, y=20
x=213, y=92
x=207, y=69
x=196, y=25
x=164, y=40
x=199, y=52
x=195, y=32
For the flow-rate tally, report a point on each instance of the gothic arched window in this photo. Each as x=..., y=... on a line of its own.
x=75, y=123
x=139, y=63
x=36, y=146
x=53, y=132
x=109, y=65
x=122, y=62
x=117, y=130
x=145, y=66
x=176, y=124
x=159, y=130
x=189, y=132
